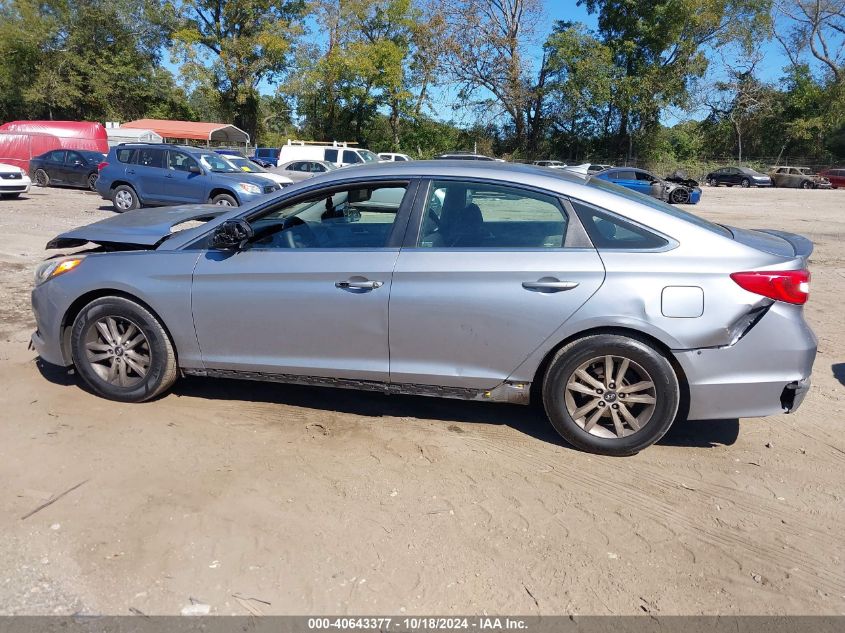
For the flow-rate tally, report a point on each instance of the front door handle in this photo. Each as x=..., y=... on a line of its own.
x=549, y=285
x=358, y=285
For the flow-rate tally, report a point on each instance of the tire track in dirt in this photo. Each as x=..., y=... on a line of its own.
x=805, y=564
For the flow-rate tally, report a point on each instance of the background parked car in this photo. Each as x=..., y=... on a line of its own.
x=150, y=174
x=392, y=157
x=250, y=167
x=71, y=167
x=645, y=182
x=554, y=164
x=742, y=176
x=466, y=156
x=13, y=181
x=802, y=177
x=836, y=176
x=595, y=168
x=266, y=156
x=340, y=154
x=298, y=170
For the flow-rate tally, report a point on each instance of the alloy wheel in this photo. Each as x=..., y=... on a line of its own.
x=123, y=200
x=610, y=396
x=223, y=203
x=41, y=178
x=680, y=196
x=92, y=182
x=118, y=351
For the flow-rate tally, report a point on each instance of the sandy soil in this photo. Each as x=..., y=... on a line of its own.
x=316, y=501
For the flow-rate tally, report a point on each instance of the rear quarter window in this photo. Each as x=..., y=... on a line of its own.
x=609, y=231
x=654, y=203
x=125, y=155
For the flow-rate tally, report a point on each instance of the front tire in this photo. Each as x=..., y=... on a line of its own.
x=745, y=184
x=9, y=196
x=611, y=394
x=121, y=351
x=806, y=184
x=680, y=196
x=224, y=200
x=92, y=181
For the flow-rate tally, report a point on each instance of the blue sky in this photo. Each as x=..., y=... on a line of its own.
x=444, y=97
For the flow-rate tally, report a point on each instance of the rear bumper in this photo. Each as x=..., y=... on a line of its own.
x=766, y=372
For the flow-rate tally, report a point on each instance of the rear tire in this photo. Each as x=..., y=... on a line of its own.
x=712, y=183
x=612, y=418
x=42, y=179
x=224, y=200
x=125, y=199
x=121, y=351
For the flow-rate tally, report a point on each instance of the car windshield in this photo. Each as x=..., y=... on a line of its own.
x=368, y=156
x=244, y=164
x=218, y=164
x=665, y=207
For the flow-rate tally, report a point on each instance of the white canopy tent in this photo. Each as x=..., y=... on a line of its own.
x=119, y=135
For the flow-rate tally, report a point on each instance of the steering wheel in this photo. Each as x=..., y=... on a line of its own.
x=297, y=234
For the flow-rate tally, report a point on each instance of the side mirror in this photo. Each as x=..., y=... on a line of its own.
x=194, y=169
x=232, y=235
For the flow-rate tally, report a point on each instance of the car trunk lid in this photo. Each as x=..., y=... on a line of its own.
x=778, y=243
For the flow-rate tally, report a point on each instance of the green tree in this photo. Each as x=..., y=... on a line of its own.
x=89, y=59
x=660, y=46
x=232, y=46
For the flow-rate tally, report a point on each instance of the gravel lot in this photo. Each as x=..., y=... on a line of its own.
x=324, y=501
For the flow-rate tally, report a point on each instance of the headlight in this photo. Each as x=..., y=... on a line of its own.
x=54, y=268
x=248, y=187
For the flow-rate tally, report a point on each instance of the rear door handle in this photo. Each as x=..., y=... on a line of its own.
x=549, y=285
x=358, y=285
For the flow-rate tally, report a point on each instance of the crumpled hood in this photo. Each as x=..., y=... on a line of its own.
x=141, y=227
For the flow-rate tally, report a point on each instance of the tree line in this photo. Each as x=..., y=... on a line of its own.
x=376, y=72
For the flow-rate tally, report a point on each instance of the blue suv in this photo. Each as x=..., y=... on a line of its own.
x=150, y=174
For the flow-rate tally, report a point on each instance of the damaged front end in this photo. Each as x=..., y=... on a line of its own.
x=682, y=190
x=143, y=229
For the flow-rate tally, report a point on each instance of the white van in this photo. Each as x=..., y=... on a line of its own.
x=338, y=153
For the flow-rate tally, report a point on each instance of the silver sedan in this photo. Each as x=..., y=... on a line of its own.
x=298, y=170
x=473, y=280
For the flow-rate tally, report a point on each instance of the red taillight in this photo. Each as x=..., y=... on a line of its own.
x=102, y=166
x=792, y=286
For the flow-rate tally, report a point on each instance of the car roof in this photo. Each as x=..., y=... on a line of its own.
x=488, y=170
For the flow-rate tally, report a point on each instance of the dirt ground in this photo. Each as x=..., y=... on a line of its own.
x=322, y=501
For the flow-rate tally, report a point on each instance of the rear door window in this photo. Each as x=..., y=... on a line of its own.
x=331, y=155
x=479, y=215
x=150, y=158
x=623, y=175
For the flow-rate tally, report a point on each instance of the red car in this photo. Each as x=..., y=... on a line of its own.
x=836, y=176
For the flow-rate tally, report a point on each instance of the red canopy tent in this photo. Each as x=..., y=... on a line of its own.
x=43, y=135
x=17, y=149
